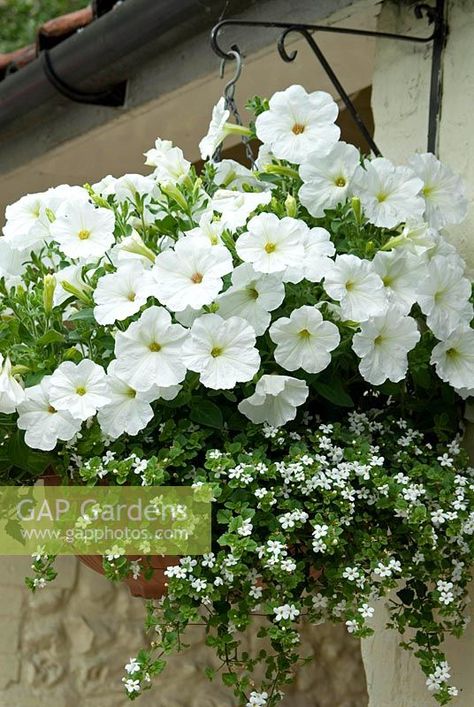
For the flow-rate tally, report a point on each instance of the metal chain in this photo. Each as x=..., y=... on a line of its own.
x=231, y=106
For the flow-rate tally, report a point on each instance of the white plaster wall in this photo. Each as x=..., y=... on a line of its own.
x=400, y=96
x=400, y=104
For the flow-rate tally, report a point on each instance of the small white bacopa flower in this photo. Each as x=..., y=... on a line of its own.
x=304, y=340
x=443, y=191
x=222, y=351
x=120, y=294
x=389, y=195
x=216, y=132
x=383, y=343
x=360, y=291
x=252, y=296
x=43, y=424
x=190, y=274
x=275, y=400
x=298, y=123
x=271, y=244
x=79, y=388
x=83, y=231
x=149, y=351
x=454, y=358
x=327, y=179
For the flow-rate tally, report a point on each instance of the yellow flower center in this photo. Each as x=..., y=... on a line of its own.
x=378, y=340
x=270, y=247
x=340, y=182
x=216, y=351
x=387, y=280
x=132, y=296
x=154, y=346
x=427, y=190
x=131, y=393
x=304, y=334
x=349, y=285
x=253, y=294
x=197, y=278
x=80, y=390
x=298, y=128
x=83, y=235
x=381, y=196
x=51, y=410
x=452, y=353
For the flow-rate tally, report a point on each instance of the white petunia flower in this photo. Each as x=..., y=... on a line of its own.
x=443, y=295
x=83, y=231
x=304, y=340
x=318, y=248
x=360, y=291
x=170, y=165
x=71, y=274
x=236, y=206
x=120, y=294
x=209, y=230
x=275, y=400
x=27, y=225
x=389, y=195
x=298, y=123
x=252, y=296
x=272, y=244
x=230, y=173
x=216, y=132
x=190, y=274
x=443, y=191
x=400, y=272
x=11, y=392
x=130, y=186
x=382, y=344
x=222, y=351
x=129, y=411
x=454, y=358
x=149, y=351
x=80, y=389
x=43, y=424
x=416, y=238
x=327, y=179
x=12, y=263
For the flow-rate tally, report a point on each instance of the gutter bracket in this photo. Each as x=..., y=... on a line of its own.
x=435, y=15
x=113, y=96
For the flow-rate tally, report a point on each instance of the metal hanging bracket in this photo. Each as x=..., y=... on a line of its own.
x=435, y=15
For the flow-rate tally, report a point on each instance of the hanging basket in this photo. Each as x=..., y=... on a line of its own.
x=153, y=588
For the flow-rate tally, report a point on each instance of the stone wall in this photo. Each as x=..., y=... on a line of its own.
x=66, y=646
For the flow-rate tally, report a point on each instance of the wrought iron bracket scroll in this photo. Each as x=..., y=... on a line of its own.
x=435, y=17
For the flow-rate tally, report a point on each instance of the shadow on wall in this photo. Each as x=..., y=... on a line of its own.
x=66, y=647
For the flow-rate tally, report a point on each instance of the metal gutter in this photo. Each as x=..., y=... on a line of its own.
x=106, y=52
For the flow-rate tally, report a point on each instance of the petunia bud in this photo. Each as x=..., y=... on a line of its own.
x=135, y=244
x=356, y=208
x=49, y=285
x=291, y=206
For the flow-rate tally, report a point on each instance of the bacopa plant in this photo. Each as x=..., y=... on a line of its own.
x=298, y=335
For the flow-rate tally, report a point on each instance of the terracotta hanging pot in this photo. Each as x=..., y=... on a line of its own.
x=153, y=588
